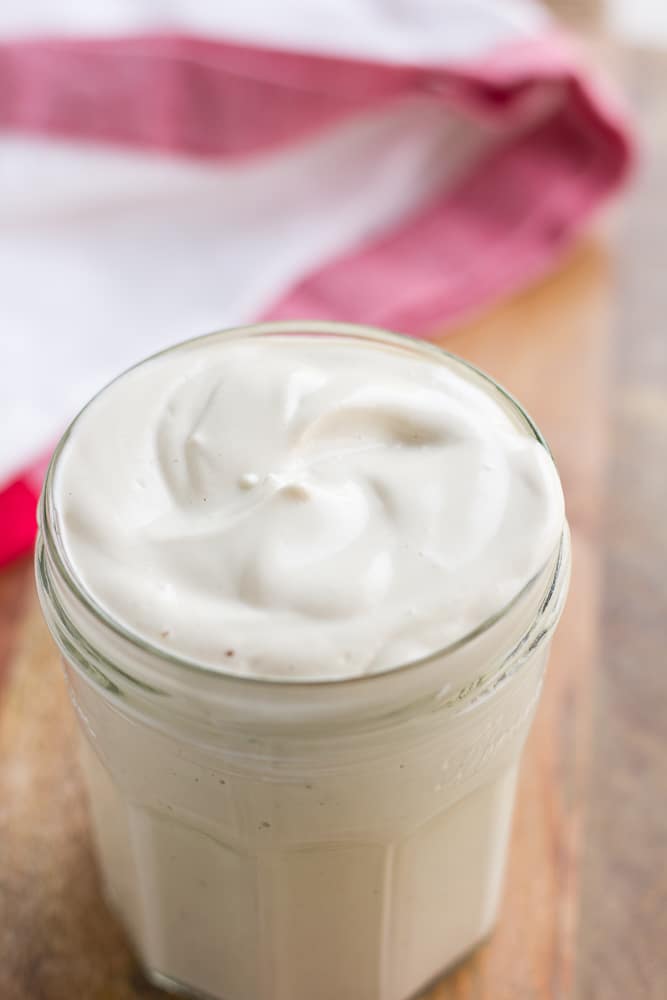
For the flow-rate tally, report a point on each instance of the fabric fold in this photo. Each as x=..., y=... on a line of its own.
x=161, y=183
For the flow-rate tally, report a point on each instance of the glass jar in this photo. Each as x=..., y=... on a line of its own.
x=291, y=840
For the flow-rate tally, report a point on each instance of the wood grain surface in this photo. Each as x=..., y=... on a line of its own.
x=549, y=347
x=585, y=906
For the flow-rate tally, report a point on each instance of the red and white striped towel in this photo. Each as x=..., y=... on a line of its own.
x=170, y=168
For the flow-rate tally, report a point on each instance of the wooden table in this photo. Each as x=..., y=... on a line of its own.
x=585, y=907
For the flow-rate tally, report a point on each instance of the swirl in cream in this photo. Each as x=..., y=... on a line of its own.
x=304, y=506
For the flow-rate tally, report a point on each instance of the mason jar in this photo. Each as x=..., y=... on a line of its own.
x=280, y=839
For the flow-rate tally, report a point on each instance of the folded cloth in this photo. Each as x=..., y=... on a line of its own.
x=169, y=169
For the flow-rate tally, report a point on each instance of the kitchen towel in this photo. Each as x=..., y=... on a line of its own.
x=169, y=168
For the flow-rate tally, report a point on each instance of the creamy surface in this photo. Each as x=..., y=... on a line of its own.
x=304, y=506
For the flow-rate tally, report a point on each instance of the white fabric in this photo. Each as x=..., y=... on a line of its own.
x=410, y=31
x=108, y=255
x=641, y=22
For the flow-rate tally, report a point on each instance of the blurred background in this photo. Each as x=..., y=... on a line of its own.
x=490, y=174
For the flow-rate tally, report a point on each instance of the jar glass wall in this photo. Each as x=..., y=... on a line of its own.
x=284, y=840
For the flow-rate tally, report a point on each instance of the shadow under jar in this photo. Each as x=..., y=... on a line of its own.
x=280, y=839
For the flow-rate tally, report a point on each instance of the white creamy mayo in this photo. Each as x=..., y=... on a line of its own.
x=304, y=506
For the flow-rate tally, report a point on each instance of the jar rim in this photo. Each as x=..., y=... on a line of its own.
x=54, y=545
